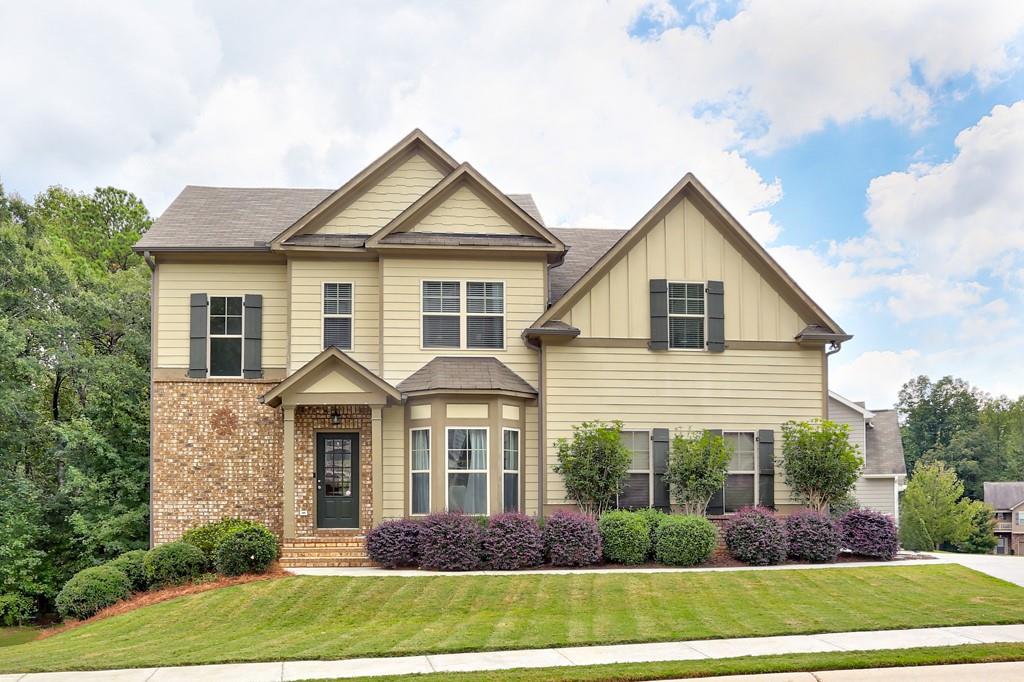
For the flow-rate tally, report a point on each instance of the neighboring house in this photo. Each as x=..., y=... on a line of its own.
x=1007, y=499
x=876, y=433
x=417, y=340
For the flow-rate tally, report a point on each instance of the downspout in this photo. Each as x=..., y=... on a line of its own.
x=152, y=354
x=834, y=347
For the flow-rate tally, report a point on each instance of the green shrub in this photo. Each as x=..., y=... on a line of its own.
x=248, y=550
x=16, y=609
x=652, y=517
x=625, y=537
x=208, y=536
x=175, y=563
x=133, y=565
x=685, y=540
x=92, y=590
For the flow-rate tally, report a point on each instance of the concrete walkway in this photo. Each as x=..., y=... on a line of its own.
x=543, y=658
x=990, y=672
x=1008, y=568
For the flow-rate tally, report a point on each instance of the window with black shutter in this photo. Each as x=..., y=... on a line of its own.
x=686, y=315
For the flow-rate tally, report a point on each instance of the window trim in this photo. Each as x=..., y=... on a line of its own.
x=464, y=314
x=517, y=471
x=756, y=473
x=351, y=316
x=426, y=471
x=210, y=336
x=669, y=315
x=650, y=464
x=486, y=472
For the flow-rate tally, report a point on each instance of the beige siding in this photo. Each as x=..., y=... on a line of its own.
x=878, y=494
x=736, y=390
x=524, y=302
x=529, y=448
x=684, y=246
x=464, y=212
x=393, y=492
x=378, y=205
x=307, y=278
x=177, y=281
x=842, y=414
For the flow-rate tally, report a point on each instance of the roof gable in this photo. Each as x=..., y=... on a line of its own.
x=331, y=376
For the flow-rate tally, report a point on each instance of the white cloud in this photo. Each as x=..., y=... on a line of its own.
x=875, y=377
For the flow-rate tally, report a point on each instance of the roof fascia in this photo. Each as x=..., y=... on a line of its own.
x=272, y=397
x=868, y=414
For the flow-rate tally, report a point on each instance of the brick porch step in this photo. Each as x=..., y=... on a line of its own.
x=324, y=562
x=333, y=551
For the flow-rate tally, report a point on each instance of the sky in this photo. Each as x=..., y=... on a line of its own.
x=875, y=148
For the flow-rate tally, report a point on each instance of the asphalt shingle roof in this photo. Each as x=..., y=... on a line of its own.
x=884, y=445
x=465, y=373
x=585, y=247
x=1004, y=494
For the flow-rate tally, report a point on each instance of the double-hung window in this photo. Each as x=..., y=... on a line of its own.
x=636, y=492
x=686, y=315
x=741, y=480
x=337, y=315
x=445, y=314
x=510, y=470
x=467, y=470
x=226, y=336
x=419, y=467
x=485, y=319
x=442, y=320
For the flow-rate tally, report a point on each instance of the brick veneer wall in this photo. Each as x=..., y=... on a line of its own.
x=216, y=453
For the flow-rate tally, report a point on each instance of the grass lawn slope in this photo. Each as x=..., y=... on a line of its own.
x=328, y=618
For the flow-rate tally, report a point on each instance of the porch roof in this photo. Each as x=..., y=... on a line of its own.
x=332, y=378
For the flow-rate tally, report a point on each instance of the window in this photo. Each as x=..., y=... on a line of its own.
x=338, y=315
x=485, y=308
x=740, y=482
x=1020, y=518
x=419, y=465
x=441, y=315
x=636, y=492
x=225, y=336
x=467, y=470
x=510, y=470
x=686, y=315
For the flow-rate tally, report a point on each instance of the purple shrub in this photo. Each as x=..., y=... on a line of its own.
x=571, y=539
x=755, y=536
x=450, y=541
x=811, y=536
x=512, y=542
x=869, y=533
x=394, y=544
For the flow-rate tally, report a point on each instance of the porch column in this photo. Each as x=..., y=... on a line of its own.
x=289, y=472
x=377, y=445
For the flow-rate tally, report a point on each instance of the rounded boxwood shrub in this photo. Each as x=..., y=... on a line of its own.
x=755, y=536
x=450, y=541
x=174, y=563
x=811, y=536
x=132, y=564
x=869, y=533
x=685, y=540
x=512, y=542
x=208, y=536
x=394, y=544
x=625, y=537
x=92, y=590
x=247, y=550
x=571, y=539
x=652, y=517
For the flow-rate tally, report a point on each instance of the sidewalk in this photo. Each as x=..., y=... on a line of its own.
x=990, y=672
x=570, y=656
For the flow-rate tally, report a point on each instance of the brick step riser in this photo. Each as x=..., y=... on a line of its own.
x=328, y=563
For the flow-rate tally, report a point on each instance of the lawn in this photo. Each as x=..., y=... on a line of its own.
x=12, y=636
x=326, y=618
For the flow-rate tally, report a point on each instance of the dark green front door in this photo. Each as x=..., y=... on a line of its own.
x=337, y=480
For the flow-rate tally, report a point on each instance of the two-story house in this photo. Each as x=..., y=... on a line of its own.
x=417, y=340
x=1007, y=499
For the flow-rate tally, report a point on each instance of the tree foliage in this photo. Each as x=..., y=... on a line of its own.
x=819, y=462
x=981, y=536
x=697, y=467
x=934, y=412
x=593, y=465
x=932, y=511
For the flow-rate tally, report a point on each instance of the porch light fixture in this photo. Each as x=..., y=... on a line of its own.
x=335, y=418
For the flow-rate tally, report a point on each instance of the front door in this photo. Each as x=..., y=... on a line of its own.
x=337, y=480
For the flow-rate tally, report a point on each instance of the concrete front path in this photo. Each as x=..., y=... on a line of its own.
x=544, y=658
x=1008, y=568
x=964, y=672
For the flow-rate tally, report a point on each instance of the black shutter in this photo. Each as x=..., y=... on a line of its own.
x=198, y=323
x=659, y=449
x=253, y=337
x=717, y=504
x=766, y=466
x=659, y=315
x=716, y=316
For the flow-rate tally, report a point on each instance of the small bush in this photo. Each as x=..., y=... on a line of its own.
x=92, y=590
x=132, y=564
x=16, y=609
x=208, y=536
x=811, y=536
x=513, y=542
x=755, y=536
x=685, y=540
x=247, y=550
x=175, y=563
x=394, y=544
x=450, y=541
x=625, y=537
x=571, y=539
x=652, y=517
x=869, y=533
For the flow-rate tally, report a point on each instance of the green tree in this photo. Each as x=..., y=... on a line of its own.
x=697, y=466
x=981, y=538
x=819, y=462
x=932, y=512
x=934, y=412
x=593, y=465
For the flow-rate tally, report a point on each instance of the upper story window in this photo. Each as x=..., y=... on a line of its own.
x=226, y=336
x=445, y=312
x=485, y=321
x=338, y=315
x=441, y=306
x=686, y=315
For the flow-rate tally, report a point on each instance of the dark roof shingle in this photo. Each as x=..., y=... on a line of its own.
x=584, y=247
x=884, y=445
x=1004, y=494
x=465, y=374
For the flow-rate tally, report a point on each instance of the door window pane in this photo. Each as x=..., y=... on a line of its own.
x=338, y=467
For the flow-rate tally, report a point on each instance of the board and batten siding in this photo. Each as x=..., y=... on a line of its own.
x=307, y=278
x=878, y=494
x=379, y=204
x=395, y=486
x=843, y=414
x=738, y=390
x=683, y=246
x=524, y=303
x=464, y=212
x=177, y=281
